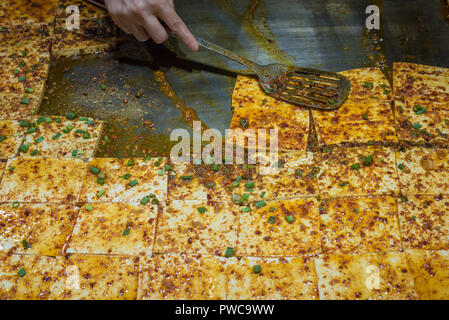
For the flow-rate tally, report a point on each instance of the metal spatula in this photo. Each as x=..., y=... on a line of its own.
x=305, y=87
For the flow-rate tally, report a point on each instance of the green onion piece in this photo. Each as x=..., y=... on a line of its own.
x=94, y=170
x=34, y=152
x=40, y=120
x=25, y=100
x=245, y=196
x=126, y=176
x=260, y=204
x=26, y=244
x=15, y=205
x=290, y=219
x=368, y=85
x=250, y=184
x=84, y=119
x=368, y=160
x=201, y=209
x=103, y=86
x=186, y=177
x=343, y=184
x=356, y=211
x=74, y=152
x=413, y=217
x=133, y=183
x=126, y=232
x=130, y=162
x=100, y=193
x=245, y=209
x=365, y=116
x=2, y=138
x=24, y=123
x=401, y=166
x=355, y=166
x=89, y=207
x=56, y=136
x=29, y=90
x=31, y=130
x=22, y=79
x=21, y=272
x=167, y=167
x=256, y=269
x=50, y=120
x=86, y=135
x=299, y=173
x=24, y=148
x=160, y=172
x=40, y=139
x=263, y=194
x=272, y=209
x=417, y=126
x=101, y=181
x=244, y=123
x=229, y=252
x=70, y=115
x=145, y=200
x=272, y=219
x=11, y=168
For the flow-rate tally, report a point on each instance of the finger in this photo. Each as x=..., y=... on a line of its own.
x=139, y=32
x=154, y=28
x=175, y=23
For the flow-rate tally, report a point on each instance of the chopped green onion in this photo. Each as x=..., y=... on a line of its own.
x=201, y=209
x=21, y=272
x=290, y=219
x=34, y=152
x=40, y=139
x=299, y=173
x=100, y=193
x=126, y=176
x=26, y=244
x=70, y=115
x=24, y=148
x=126, y=232
x=89, y=207
x=229, y=252
x=2, y=138
x=133, y=183
x=272, y=219
x=245, y=209
x=260, y=204
x=94, y=170
x=130, y=162
x=15, y=205
x=167, y=167
x=401, y=166
x=74, y=152
x=355, y=166
x=145, y=200
x=343, y=184
x=24, y=123
x=215, y=167
x=31, y=130
x=256, y=269
x=25, y=100
x=186, y=177
x=56, y=136
x=101, y=181
x=367, y=161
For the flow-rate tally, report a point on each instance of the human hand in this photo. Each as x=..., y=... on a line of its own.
x=141, y=18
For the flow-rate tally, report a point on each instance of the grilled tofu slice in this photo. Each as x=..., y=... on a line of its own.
x=360, y=225
x=430, y=270
x=271, y=279
x=90, y=277
x=57, y=137
x=196, y=227
x=11, y=134
x=186, y=277
x=42, y=180
x=382, y=276
x=40, y=229
x=424, y=221
x=125, y=180
x=279, y=228
x=25, y=277
x=114, y=228
x=423, y=171
x=359, y=171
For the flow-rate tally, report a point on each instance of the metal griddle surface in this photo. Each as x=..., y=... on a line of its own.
x=310, y=33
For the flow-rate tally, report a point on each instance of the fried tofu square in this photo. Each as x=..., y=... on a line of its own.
x=356, y=122
x=26, y=42
x=94, y=36
x=25, y=277
x=279, y=228
x=57, y=137
x=42, y=180
x=114, y=228
x=420, y=121
x=11, y=134
x=428, y=83
x=36, y=228
x=292, y=177
x=18, y=105
x=360, y=225
x=359, y=171
x=186, y=277
x=424, y=222
x=430, y=270
x=24, y=74
x=368, y=84
x=381, y=276
x=249, y=124
x=124, y=180
x=13, y=12
x=196, y=227
x=423, y=171
x=365, y=117
x=95, y=277
x=271, y=279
